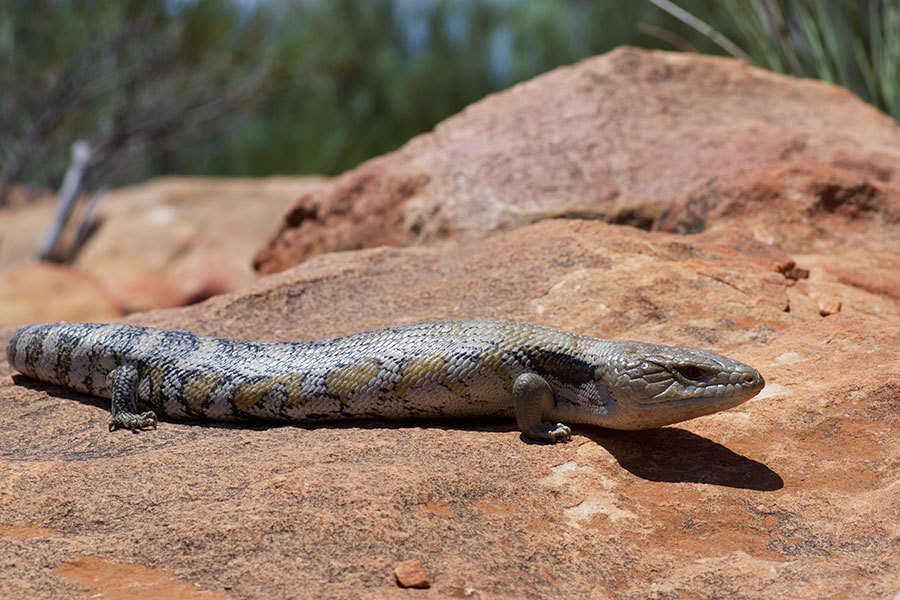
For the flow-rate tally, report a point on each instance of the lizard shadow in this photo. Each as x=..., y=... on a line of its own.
x=667, y=454
x=674, y=455
x=59, y=391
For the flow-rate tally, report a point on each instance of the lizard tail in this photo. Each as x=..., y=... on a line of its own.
x=25, y=349
x=21, y=339
x=75, y=355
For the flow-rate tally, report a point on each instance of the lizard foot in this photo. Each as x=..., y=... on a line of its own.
x=550, y=432
x=133, y=421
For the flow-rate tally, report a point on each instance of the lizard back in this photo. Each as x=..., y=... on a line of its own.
x=443, y=368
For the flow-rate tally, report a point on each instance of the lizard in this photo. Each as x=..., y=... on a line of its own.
x=545, y=378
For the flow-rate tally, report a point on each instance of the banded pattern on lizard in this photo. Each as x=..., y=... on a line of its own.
x=543, y=377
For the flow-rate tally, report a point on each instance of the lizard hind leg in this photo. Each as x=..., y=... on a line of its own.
x=533, y=401
x=123, y=382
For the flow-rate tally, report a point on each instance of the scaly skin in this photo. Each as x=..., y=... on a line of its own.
x=545, y=378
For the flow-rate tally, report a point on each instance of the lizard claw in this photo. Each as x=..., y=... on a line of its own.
x=133, y=421
x=550, y=432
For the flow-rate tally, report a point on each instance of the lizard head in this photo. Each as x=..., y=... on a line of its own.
x=643, y=386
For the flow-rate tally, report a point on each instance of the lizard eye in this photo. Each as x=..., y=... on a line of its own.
x=692, y=372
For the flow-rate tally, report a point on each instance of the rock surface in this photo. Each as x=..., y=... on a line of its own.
x=179, y=240
x=411, y=574
x=841, y=227
x=793, y=494
x=619, y=137
x=43, y=292
x=169, y=242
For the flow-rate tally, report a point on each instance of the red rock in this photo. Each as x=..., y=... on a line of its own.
x=798, y=206
x=791, y=494
x=841, y=228
x=176, y=240
x=108, y=579
x=170, y=242
x=41, y=292
x=21, y=225
x=411, y=573
x=829, y=306
x=619, y=137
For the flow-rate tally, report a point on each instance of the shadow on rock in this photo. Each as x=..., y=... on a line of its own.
x=675, y=455
x=59, y=391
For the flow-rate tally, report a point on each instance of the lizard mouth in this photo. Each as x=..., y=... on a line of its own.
x=649, y=415
x=713, y=403
x=746, y=388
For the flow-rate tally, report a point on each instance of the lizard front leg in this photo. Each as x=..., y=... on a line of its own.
x=533, y=403
x=123, y=382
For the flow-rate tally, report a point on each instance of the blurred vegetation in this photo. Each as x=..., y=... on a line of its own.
x=221, y=87
x=852, y=43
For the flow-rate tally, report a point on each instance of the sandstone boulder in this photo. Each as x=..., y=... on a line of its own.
x=841, y=227
x=619, y=137
x=42, y=292
x=178, y=240
x=792, y=494
x=168, y=242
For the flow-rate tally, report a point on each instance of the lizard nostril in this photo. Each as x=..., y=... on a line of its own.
x=753, y=379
